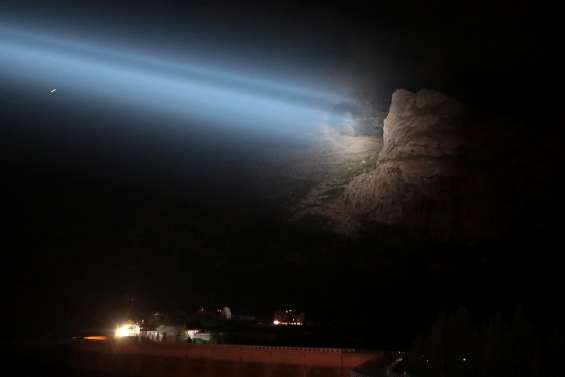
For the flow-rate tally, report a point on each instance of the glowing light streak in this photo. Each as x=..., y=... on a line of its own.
x=96, y=338
x=190, y=92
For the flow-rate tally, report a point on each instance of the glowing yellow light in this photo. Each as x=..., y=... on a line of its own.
x=276, y=322
x=127, y=330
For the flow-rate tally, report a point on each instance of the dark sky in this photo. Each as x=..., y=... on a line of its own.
x=96, y=217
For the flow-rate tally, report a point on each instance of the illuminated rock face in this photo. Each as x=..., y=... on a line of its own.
x=425, y=125
x=422, y=181
x=432, y=177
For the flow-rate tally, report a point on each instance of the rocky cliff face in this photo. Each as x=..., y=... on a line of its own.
x=413, y=181
x=423, y=180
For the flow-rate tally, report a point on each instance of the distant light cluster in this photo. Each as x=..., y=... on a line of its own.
x=284, y=323
x=288, y=317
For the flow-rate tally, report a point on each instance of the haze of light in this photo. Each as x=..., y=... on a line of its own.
x=148, y=83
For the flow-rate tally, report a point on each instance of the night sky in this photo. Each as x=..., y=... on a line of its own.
x=104, y=203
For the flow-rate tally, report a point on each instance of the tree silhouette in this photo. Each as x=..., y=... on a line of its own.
x=456, y=346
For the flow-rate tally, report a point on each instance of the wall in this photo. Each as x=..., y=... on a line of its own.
x=172, y=360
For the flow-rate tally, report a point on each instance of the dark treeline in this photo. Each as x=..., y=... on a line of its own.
x=503, y=345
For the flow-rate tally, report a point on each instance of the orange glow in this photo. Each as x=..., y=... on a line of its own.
x=97, y=337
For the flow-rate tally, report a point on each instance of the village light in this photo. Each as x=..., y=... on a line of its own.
x=128, y=329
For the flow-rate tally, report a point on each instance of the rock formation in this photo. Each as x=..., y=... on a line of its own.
x=411, y=182
x=423, y=180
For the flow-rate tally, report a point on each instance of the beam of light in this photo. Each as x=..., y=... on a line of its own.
x=144, y=82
